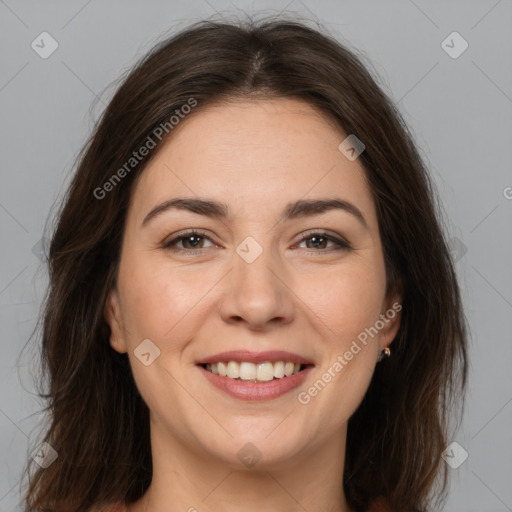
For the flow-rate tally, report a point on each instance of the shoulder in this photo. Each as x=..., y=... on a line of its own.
x=113, y=507
x=379, y=505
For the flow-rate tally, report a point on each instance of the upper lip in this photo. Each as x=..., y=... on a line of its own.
x=255, y=357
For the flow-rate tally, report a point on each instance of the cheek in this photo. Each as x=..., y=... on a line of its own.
x=348, y=306
x=160, y=302
x=347, y=300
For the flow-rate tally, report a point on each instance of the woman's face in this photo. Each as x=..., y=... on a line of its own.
x=194, y=284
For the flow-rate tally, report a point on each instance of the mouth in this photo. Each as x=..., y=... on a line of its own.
x=256, y=376
x=247, y=371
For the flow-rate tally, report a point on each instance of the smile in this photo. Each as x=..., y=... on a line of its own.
x=254, y=376
x=254, y=372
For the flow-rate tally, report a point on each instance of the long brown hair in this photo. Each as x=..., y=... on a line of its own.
x=99, y=423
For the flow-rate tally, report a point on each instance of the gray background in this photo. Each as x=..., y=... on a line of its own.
x=458, y=108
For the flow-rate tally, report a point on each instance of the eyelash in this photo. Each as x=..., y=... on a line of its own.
x=342, y=244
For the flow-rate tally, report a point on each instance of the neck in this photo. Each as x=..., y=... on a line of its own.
x=186, y=479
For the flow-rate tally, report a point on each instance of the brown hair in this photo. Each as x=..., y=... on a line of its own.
x=99, y=422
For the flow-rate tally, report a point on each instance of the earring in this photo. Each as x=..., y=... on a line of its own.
x=384, y=352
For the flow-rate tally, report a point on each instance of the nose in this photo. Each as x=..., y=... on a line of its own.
x=257, y=293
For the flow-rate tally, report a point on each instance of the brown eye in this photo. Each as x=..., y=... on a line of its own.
x=192, y=241
x=318, y=241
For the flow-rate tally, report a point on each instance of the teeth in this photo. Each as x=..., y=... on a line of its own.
x=261, y=372
x=222, y=367
x=247, y=371
x=264, y=371
x=233, y=370
x=279, y=369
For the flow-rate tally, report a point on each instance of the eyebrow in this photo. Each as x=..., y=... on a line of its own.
x=219, y=210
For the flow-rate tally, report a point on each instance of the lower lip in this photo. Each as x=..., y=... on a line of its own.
x=255, y=391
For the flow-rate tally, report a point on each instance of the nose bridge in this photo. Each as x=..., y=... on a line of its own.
x=256, y=292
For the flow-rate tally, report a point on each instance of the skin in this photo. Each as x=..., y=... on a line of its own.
x=256, y=156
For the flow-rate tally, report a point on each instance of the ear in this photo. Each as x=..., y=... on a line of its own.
x=390, y=315
x=112, y=313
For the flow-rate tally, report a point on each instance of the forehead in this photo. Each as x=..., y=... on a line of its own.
x=254, y=153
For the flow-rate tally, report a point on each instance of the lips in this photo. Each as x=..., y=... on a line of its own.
x=255, y=357
x=255, y=375
x=256, y=391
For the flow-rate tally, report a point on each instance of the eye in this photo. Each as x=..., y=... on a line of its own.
x=191, y=241
x=320, y=239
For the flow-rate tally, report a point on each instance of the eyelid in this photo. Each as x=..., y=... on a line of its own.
x=175, y=237
x=338, y=240
x=325, y=233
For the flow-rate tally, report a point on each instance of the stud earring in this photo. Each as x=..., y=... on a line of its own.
x=384, y=352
